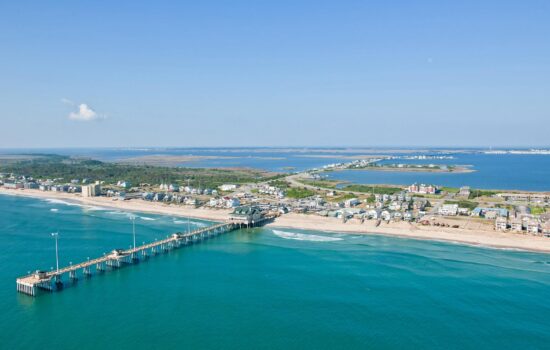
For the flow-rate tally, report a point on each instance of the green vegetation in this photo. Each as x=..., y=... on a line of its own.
x=481, y=193
x=331, y=184
x=538, y=210
x=66, y=168
x=279, y=183
x=464, y=204
x=342, y=197
x=450, y=189
x=345, y=197
x=504, y=206
x=298, y=193
x=321, y=183
x=372, y=189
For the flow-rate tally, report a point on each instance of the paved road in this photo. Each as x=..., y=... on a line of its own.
x=294, y=181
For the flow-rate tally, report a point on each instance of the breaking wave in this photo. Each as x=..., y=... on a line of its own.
x=72, y=204
x=117, y=213
x=59, y=201
x=194, y=223
x=304, y=237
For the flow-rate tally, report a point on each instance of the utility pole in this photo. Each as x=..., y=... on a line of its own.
x=55, y=235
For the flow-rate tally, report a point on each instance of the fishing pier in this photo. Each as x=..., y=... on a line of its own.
x=53, y=280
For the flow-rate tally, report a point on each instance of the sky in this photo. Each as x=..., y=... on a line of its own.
x=274, y=73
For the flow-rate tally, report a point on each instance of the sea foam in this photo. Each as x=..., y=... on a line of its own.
x=305, y=237
x=59, y=201
x=194, y=223
x=72, y=204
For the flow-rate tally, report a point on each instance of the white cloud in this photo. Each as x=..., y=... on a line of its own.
x=84, y=112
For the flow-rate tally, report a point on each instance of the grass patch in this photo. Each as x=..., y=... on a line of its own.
x=450, y=189
x=372, y=189
x=321, y=183
x=298, y=193
x=346, y=197
x=464, y=204
x=282, y=184
x=538, y=210
x=481, y=193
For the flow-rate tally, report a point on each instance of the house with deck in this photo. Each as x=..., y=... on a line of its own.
x=246, y=215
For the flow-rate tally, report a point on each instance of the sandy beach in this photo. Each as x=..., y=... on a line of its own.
x=486, y=238
x=129, y=205
x=477, y=237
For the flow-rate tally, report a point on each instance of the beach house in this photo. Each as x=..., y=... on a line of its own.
x=246, y=215
x=533, y=226
x=516, y=224
x=448, y=210
x=501, y=224
x=464, y=192
x=228, y=187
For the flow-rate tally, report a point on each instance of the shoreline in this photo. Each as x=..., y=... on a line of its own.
x=482, y=238
x=404, y=185
x=457, y=170
x=472, y=237
x=128, y=205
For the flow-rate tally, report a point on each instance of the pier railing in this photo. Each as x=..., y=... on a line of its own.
x=52, y=280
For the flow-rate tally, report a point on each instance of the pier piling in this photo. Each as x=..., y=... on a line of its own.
x=46, y=280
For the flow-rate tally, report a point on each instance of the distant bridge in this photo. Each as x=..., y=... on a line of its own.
x=51, y=280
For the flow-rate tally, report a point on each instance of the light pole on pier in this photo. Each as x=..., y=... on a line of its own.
x=133, y=218
x=188, y=225
x=55, y=235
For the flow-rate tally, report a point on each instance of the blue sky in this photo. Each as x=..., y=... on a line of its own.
x=259, y=73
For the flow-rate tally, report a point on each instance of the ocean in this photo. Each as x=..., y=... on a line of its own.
x=264, y=288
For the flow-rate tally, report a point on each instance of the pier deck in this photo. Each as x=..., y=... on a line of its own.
x=51, y=280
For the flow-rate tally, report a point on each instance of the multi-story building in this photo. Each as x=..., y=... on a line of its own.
x=533, y=226
x=92, y=190
x=448, y=210
x=422, y=189
x=501, y=224
x=516, y=225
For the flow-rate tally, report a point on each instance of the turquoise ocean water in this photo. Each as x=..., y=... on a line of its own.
x=264, y=289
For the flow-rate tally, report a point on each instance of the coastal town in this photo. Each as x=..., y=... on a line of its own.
x=311, y=195
x=279, y=175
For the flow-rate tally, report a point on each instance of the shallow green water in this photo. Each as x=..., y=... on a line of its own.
x=263, y=288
